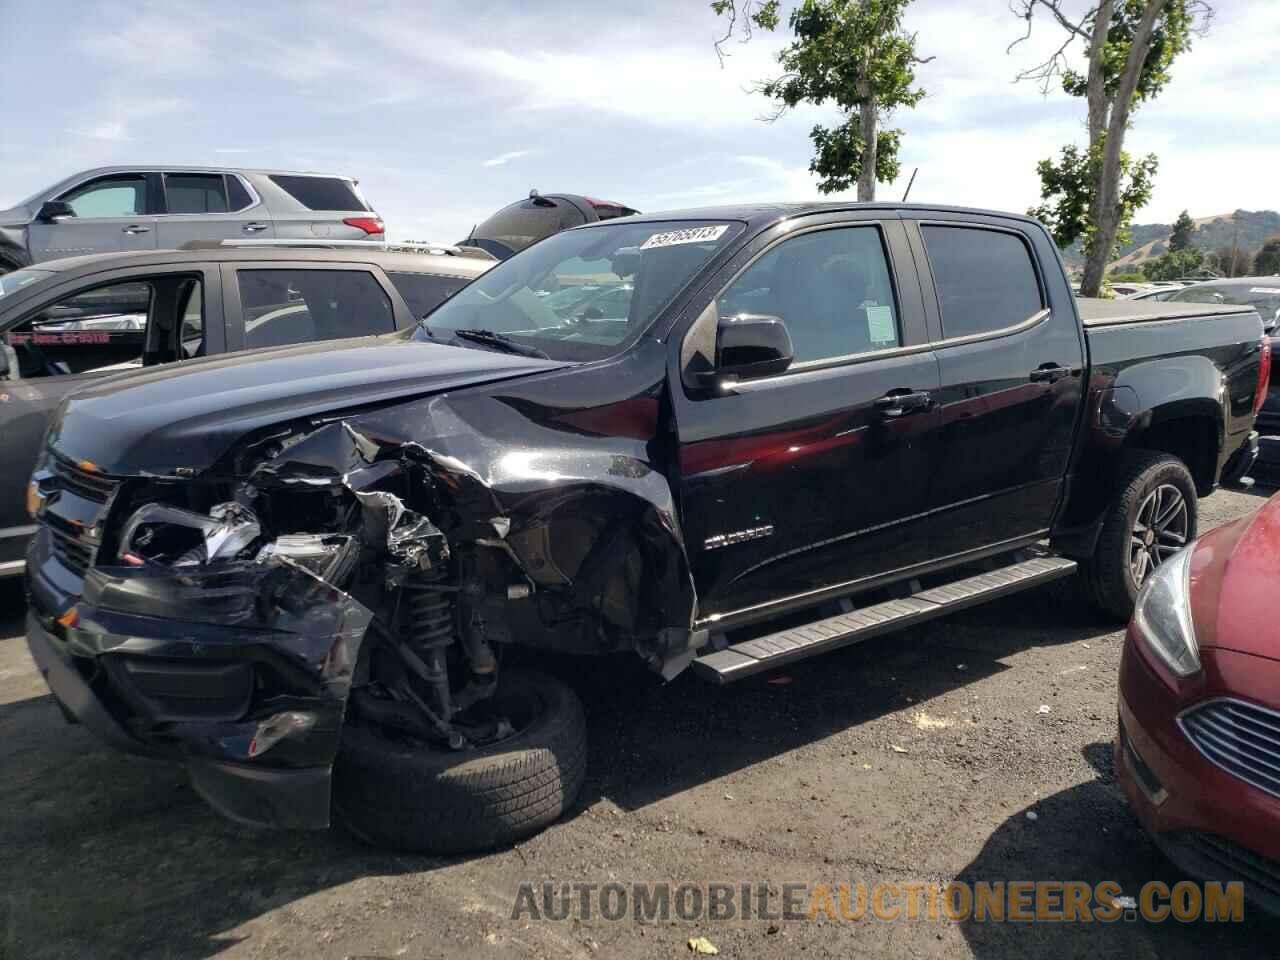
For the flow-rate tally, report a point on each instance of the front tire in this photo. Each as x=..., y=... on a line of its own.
x=407, y=796
x=1153, y=517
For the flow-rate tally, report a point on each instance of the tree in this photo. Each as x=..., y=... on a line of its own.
x=1174, y=264
x=1267, y=261
x=854, y=54
x=1183, y=228
x=1131, y=44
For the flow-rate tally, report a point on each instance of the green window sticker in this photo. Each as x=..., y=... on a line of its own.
x=880, y=328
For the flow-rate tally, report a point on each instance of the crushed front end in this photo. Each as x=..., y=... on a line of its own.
x=219, y=620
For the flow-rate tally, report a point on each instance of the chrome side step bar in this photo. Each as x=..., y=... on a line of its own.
x=787, y=646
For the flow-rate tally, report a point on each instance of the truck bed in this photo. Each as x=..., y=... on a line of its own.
x=1095, y=312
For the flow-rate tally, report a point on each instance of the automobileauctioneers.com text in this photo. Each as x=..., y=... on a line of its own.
x=1000, y=901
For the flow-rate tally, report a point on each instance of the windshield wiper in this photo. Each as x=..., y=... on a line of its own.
x=491, y=339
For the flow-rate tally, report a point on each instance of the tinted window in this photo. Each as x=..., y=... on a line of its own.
x=984, y=278
x=301, y=306
x=423, y=292
x=513, y=228
x=237, y=196
x=831, y=288
x=195, y=193
x=320, y=193
x=109, y=197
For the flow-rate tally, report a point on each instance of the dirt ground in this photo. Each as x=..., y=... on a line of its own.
x=915, y=757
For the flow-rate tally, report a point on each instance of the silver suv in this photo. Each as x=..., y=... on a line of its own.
x=159, y=208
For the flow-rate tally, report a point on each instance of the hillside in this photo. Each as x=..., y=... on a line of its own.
x=1150, y=239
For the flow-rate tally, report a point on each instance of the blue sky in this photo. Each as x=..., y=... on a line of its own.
x=446, y=111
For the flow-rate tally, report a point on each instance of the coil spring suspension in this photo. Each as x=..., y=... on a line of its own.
x=429, y=629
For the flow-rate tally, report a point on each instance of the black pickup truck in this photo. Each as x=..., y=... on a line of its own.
x=303, y=572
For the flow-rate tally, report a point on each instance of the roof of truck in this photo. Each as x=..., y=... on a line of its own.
x=760, y=213
x=1097, y=312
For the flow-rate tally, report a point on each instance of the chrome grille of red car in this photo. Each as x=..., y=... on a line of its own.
x=1241, y=738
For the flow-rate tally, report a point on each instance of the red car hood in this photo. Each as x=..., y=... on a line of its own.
x=1234, y=577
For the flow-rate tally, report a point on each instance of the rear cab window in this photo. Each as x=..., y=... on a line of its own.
x=985, y=278
x=423, y=292
x=280, y=307
x=321, y=193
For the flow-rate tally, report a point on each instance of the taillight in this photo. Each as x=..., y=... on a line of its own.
x=369, y=225
x=1264, y=375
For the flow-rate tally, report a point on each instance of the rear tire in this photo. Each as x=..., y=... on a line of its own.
x=391, y=793
x=1147, y=483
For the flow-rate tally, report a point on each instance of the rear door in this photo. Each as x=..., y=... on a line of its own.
x=209, y=206
x=1011, y=359
x=813, y=481
x=112, y=213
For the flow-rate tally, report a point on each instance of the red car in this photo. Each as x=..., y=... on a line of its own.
x=1198, y=748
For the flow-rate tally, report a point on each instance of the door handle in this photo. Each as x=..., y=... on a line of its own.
x=135, y=228
x=1049, y=373
x=898, y=403
x=253, y=227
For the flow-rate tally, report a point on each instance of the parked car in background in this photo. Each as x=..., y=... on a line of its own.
x=68, y=322
x=527, y=221
x=1198, y=743
x=1155, y=293
x=143, y=207
x=1261, y=293
x=842, y=418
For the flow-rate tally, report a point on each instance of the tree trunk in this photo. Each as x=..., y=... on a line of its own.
x=1095, y=263
x=1106, y=196
x=867, y=124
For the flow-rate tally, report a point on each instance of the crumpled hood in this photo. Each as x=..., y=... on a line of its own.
x=188, y=415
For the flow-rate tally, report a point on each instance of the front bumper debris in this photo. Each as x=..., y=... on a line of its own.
x=242, y=672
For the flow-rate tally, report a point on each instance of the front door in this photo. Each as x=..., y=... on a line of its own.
x=73, y=336
x=796, y=485
x=112, y=213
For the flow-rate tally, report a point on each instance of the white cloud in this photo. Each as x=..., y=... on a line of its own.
x=505, y=158
x=113, y=118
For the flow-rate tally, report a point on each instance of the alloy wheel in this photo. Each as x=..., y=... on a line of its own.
x=1159, y=531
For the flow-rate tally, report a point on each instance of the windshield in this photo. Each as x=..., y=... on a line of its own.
x=11, y=282
x=584, y=294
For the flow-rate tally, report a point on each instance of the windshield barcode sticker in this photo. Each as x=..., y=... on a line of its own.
x=691, y=235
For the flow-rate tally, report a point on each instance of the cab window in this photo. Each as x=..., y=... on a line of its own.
x=124, y=196
x=281, y=307
x=831, y=288
x=112, y=328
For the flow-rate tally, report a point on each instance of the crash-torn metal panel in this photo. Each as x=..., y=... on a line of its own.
x=555, y=475
x=304, y=630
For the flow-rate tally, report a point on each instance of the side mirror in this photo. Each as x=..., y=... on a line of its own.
x=751, y=345
x=51, y=211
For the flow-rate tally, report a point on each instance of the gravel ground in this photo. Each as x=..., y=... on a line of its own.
x=914, y=757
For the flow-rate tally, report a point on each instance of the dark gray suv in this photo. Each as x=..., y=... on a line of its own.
x=138, y=208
